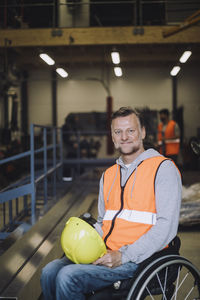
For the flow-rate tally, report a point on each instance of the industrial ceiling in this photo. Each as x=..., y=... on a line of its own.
x=81, y=47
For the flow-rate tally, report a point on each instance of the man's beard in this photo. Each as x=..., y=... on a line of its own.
x=133, y=150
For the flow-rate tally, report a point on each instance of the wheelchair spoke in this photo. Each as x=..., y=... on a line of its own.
x=166, y=273
x=149, y=293
x=189, y=293
x=163, y=290
x=178, y=285
x=176, y=290
x=176, y=279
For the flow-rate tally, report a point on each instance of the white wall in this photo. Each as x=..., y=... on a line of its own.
x=139, y=87
x=79, y=96
x=39, y=98
x=142, y=87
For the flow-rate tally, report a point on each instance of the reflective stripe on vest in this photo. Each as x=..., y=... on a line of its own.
x=174, y=141
x=132, y=216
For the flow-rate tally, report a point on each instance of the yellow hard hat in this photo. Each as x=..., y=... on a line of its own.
x=81, y=242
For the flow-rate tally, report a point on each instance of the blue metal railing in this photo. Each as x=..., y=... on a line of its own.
x=27, y=185
x=46, y=161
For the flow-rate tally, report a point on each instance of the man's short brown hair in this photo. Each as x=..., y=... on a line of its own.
x=126, y=111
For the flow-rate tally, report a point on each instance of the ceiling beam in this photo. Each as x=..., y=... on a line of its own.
x=96, y=36
x=190, y=21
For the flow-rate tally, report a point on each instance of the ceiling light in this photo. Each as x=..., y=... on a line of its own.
x=47, y=59
x=118, y=71
x=62, y=72
x=115, y=57
x=185, y=56
x=175, y=71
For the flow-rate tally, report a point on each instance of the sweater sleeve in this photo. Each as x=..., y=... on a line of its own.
x=101, y=208
x=168, y=189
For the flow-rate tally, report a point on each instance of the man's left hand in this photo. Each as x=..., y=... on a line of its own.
x=111, y=259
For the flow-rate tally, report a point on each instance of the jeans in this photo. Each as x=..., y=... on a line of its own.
x=63, y=280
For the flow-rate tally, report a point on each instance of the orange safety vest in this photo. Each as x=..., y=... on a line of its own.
x=171, y=146
x=130, y=210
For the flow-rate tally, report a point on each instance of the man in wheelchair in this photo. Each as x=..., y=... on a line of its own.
x=138, y=214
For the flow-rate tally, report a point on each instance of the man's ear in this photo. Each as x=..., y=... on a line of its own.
x=112, y=137
x=111, y=132
x=143, y=132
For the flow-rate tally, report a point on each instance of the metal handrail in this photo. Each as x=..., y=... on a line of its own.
x=21, y=188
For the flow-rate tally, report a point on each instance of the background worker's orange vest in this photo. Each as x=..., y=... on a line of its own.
x=171, y=146
x=130, y=210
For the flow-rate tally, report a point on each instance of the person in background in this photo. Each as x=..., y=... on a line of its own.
x=70, y=130
x=138, y=214
x=168, y=136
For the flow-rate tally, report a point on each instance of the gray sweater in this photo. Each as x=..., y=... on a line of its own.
x=168, y=188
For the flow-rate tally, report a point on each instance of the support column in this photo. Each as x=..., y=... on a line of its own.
x=24, y=103
x=6, y=123
x=54, y=97
x=24, y=111
x=109, y=113
x=174, y=97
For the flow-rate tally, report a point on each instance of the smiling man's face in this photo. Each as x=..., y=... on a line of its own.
x=127, y=135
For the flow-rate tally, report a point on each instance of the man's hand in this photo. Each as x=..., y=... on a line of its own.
x=111, y=259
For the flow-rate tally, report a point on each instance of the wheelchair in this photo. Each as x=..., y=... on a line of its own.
x=165, y=275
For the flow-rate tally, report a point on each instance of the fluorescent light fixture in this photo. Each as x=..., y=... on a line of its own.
x=175, y=71
x=185, y=56
x=115, y=57
x=47, y=59
x=118, y=71
x=62, y=72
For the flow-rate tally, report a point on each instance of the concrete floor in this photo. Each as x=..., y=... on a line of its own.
x=190, y=245
x=190, y=237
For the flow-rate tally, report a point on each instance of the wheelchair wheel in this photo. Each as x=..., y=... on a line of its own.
x=169, y=277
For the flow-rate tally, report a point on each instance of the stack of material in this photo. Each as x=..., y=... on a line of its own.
x=190, y=208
